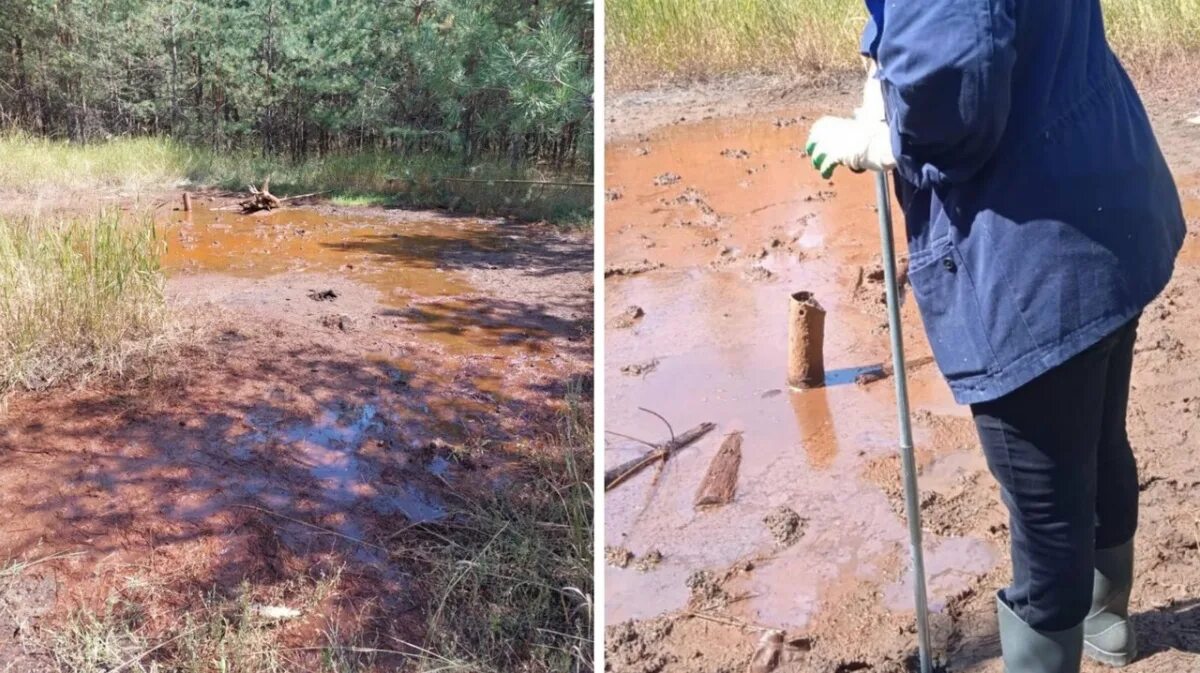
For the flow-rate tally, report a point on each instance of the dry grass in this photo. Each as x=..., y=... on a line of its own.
x=510, y=579
x=684, y=39
x=1149, y=34
x=44, y=172
x=247, y=633
x=662, y=40
x=79, y=297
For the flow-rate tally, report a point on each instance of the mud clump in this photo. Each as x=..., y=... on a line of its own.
x=627, y=318
x=640, y=368
x=618, y=557
x=666, y=179
x=735, y=154
x=649, y=561
x=785, y=525
x=758, y=274
x=707, y=592
x=636, y=647
x=322, y=295
x=614, y=194
x=873, y=375
x=340, y=322
x=785, y=122
x=774, y=649
x=869, y=288
x=690, y=197
x=632, y=269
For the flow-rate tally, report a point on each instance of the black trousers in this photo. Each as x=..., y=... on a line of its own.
x=1059, y=449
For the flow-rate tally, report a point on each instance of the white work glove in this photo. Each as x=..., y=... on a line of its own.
x=857, y=145
x=860, y=144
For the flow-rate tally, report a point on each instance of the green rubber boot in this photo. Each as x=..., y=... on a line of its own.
x=1107, y=634
x=1027, y=650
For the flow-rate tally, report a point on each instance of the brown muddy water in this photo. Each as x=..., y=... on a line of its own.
x=419, y=267
x=739, y=221
x=399, y=260
x=711, y=226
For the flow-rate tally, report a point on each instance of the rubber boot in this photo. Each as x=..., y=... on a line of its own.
x=1107, y=634
x=1027, y=650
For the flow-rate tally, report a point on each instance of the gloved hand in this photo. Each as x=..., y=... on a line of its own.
x=861, y=143
x=856, y=144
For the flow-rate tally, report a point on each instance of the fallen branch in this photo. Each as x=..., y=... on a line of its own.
x=728, y=621
x=304, y=196
x=619, y=474
x=518, y=182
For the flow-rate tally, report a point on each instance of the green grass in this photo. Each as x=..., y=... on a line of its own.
x=509, y=581
x=43, y=169
x=36, y=165
x=660, y=40
x=78, y=297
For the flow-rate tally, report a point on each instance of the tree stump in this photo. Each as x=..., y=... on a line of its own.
x=260, y=199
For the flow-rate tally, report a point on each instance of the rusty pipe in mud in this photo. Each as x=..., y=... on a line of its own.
x=806, y=342
x=912, y=507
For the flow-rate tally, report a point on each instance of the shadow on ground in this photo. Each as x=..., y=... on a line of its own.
x=264, y=458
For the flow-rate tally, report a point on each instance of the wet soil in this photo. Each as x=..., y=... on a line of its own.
x=711, y=259
x=357, y=371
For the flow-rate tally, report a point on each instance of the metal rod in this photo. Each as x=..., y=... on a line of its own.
x=912, y=508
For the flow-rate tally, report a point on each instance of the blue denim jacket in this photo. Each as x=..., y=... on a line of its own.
x=1041, y=214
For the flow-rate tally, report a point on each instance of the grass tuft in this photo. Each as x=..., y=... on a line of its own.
x=78, y=297
x=510, y=579
x=221, y=635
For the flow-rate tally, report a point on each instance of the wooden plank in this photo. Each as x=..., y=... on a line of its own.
x=720, y=482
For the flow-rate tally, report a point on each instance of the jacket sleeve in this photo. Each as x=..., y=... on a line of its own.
x=946, y=67
x=869, y=41
x=868, y=45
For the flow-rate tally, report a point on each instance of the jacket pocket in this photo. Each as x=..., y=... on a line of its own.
x=949, y=308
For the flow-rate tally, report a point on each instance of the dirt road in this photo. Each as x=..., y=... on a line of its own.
x=713, y=219
x=357, y=371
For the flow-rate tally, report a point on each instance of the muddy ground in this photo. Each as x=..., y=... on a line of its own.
x=351, y=372
x=713, y=219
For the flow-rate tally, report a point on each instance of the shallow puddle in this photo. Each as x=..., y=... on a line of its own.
x=746, y=224
x=402, y=259
x=335, y=447
x=420, y=270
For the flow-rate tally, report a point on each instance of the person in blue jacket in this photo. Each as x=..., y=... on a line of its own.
x=1041, y=220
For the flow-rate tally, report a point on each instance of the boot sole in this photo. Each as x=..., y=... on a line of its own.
x=1114, y=659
